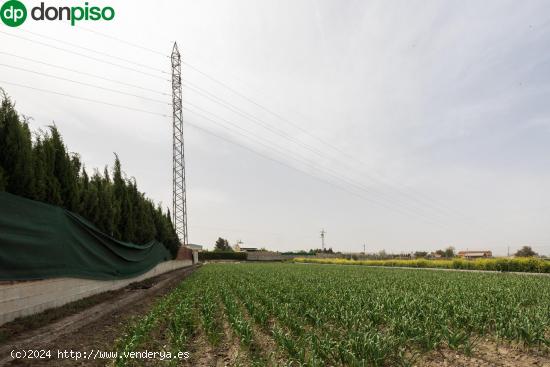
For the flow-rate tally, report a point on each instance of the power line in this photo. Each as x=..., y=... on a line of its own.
x=83, y=83
x=159, y=114
x=83, y=98
x=228, y=87
x=254, y=119
x=330, y=183
x=268, y=157
x=299, y=143
x=86, y=56
x=265, y=108
x=336, y=175
x=123, y=41
x=262, y=107
x=425, y=201
x=267, y=126
x=84, y=73
x=95, y=51
x=281, y=150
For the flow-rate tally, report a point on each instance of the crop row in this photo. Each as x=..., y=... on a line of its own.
x=346, y=316
x=528, y=265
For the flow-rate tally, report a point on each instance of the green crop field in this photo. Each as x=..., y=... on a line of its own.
x=299, y=314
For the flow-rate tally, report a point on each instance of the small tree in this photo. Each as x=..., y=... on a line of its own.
x=450, y=252
x=526, y=251
x=420, y=254
x=222, y=245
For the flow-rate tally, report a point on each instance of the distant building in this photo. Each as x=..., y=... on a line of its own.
x=475, y=254
x=238, y=247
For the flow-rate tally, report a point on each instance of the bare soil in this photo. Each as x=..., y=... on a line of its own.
x=487, y=353
x=228, y=352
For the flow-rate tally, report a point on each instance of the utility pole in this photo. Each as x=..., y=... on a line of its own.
x=323, y=240
x=365, y=248
x=179, y=201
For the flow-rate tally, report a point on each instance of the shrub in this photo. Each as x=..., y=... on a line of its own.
x=222, y=255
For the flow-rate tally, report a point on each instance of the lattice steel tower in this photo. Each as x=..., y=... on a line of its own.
x=179, y=202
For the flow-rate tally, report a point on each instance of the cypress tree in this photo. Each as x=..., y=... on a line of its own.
x=106, y=202
x=126, y=223
x=89, y=200
x=64, y=170
x=117, y=192
x=84, y=189
x=3, y=179
x=44, y=170
x=15, y=151
x=39, y=171
x=52, y=185
x=75, y=166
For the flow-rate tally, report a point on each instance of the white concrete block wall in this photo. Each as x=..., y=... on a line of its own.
x=26, y=298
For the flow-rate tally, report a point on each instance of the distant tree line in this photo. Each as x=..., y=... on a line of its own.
x=321, y=251
x=447, y=253
x=42, y=169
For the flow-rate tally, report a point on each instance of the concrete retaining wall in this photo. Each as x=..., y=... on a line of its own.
x=26, y=298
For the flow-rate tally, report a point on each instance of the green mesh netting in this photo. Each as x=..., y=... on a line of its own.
x=39, y=241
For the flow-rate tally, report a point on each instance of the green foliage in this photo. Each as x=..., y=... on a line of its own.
x=345, y=316
x=531, y=265
x=15, y=151
x=44, y=170
x=3, y=180
x=418, y=254
x=526, y=251
x=222, y=255
x=222, y=245
x=450, y=252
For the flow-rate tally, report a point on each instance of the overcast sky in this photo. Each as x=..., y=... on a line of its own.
x=411, y=125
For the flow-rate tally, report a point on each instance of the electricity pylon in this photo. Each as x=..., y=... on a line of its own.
x=179, y=201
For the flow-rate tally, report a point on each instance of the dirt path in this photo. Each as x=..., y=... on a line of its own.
x=92, y=329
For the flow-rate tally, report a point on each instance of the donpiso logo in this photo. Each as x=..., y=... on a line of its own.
x=14, y=13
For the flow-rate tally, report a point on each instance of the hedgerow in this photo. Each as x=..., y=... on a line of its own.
x=529, y=265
